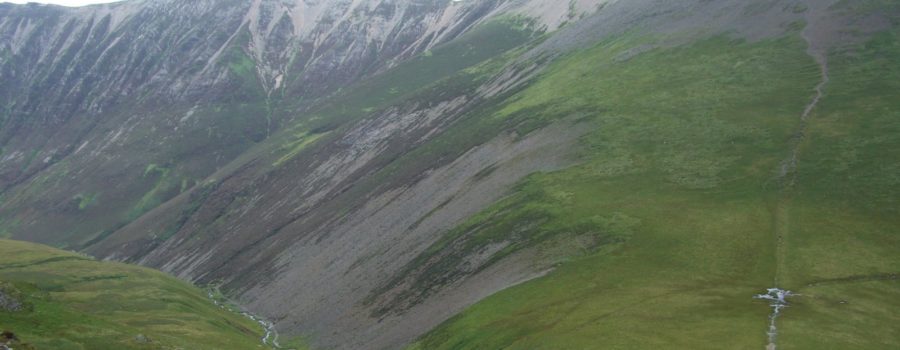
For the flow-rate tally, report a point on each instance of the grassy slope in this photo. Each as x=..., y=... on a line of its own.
x=685, y=148
x=845, y=216
x=79, y=303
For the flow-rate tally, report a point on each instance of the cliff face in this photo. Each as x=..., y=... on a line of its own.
x=360, y=171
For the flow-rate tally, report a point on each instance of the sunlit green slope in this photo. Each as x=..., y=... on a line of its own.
x=69, y=301
x=681, y=187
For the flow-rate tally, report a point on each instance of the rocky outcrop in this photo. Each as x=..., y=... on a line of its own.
x=10, y=299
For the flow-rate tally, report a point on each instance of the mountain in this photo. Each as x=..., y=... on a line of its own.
x=53, y=299
x=477, y=173
x=101, y=93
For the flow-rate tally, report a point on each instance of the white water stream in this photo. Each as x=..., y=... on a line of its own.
x=777, y=300
x=271, y=336
x=777, y=296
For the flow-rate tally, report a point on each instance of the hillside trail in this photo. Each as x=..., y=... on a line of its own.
x=787, y=176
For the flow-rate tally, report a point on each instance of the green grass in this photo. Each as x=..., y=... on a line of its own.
x=79, y=303
x=243, y=67
x=845, y=215
x=85, y=200
x=294, y=148
x=163, y=188
x=684, y=150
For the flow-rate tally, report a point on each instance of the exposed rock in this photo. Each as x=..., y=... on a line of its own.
x=10, y=299
x=9, y=341
x=8, y=337
x=142, y=339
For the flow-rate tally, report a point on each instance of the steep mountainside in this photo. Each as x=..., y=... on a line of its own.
x=156, y=95
x=521, y=173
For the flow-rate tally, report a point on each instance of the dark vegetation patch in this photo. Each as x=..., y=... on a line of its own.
x=10, y=341
x=55, y=259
